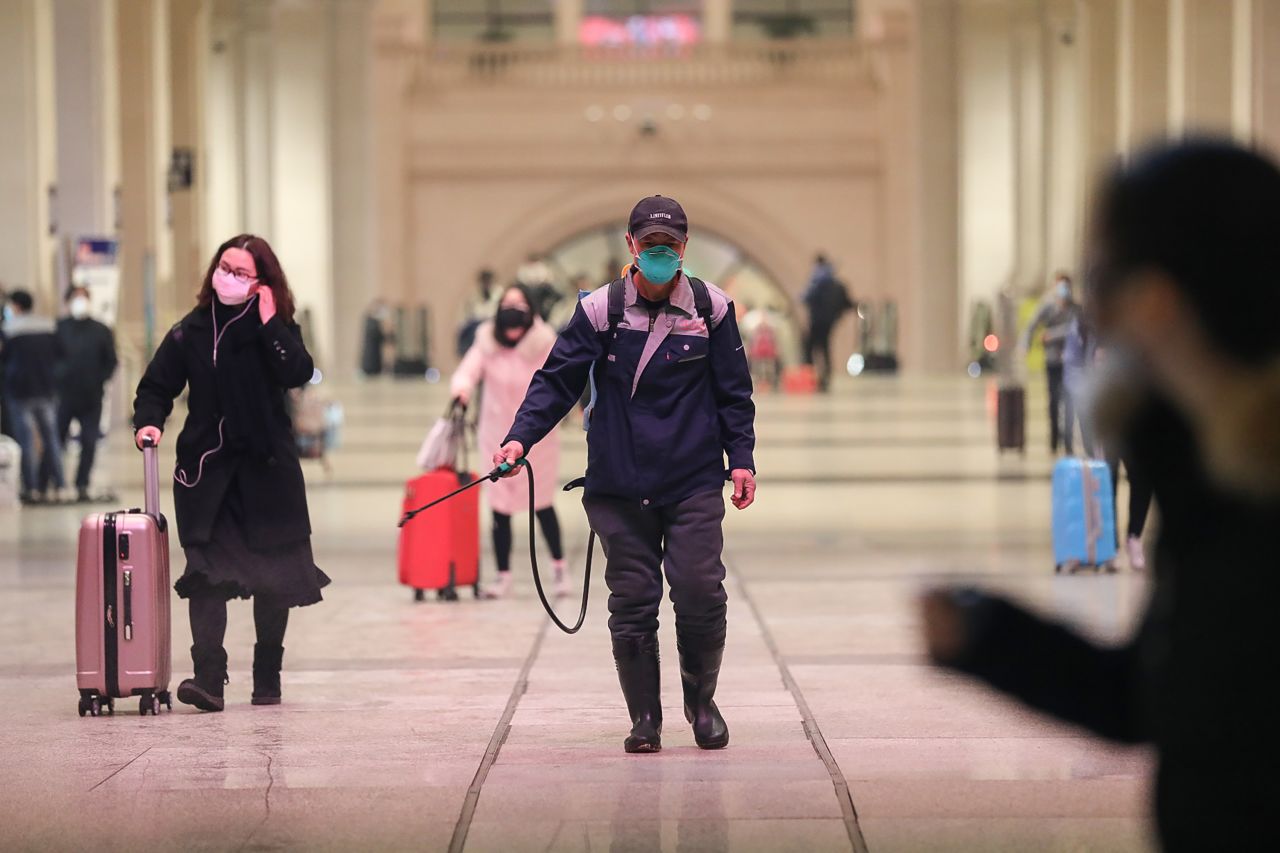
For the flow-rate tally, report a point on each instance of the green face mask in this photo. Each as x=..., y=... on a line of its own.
x=659, y=264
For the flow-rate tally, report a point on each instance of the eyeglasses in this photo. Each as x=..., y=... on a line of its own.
x=241, y=275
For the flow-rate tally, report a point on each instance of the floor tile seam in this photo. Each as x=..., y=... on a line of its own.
x=843, y=793
x=502, y=731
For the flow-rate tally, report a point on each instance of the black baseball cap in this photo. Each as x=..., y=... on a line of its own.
x=658, y=214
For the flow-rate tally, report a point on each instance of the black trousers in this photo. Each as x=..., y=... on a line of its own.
x=503, y=537
x=209, y=620
x=1140, y=493
x=88, y=413
x=818, y=353
x=685, y=539
x=1062, y=426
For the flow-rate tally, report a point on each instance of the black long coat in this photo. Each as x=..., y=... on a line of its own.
x=269, y=484
x=1197, y=681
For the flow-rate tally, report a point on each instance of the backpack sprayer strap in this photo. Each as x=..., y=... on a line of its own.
x=493, y=476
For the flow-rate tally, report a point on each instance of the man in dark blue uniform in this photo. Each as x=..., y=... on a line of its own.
x=674, y=400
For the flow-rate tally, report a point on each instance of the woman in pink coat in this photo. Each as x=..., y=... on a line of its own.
x=507, y=352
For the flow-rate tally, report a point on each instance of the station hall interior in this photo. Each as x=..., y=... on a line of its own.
x=408, y=160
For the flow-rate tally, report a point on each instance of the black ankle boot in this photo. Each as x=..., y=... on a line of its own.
x=638, y=673
x=266, y=674
x=699, y=673
x=204, y=691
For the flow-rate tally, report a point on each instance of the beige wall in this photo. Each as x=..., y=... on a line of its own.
x=474, y=174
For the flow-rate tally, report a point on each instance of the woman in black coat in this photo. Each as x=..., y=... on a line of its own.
x=239, y=494
x=1185, y=291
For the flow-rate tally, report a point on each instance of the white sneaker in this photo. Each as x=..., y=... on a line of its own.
x=500, y=588
x=1137, y=556
x=562, y=585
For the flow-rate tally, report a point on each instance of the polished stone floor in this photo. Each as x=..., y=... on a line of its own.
x=477, y=726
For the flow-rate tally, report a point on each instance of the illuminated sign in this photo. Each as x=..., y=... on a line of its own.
x=597, y=31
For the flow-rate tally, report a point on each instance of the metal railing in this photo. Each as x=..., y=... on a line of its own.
x=826, y=61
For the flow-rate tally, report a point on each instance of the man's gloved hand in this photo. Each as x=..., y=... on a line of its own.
x=744, y=488
x=510, y=453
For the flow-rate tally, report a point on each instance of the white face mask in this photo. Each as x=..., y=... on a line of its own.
x=79, y=307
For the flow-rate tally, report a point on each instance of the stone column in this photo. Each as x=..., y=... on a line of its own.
x=223, y=164
x=1265, y=95
x=568, y=17
x=1200, y=66
x=354, y=237
x=141, y=216
x=394, y=52
x=717, y=21
x=301, y=181
x=87, y=124
x=187, y=66
x=1143, y=83
x=1065, y=132
x=937, y=313
x=27, y=148
x=1101, y=48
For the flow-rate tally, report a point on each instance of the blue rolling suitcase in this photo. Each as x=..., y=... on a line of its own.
x=1084, y=515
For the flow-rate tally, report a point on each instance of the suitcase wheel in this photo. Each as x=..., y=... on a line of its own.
x=149, y=704
x=1070, y=567
x=475, y=590
x=419, y=595
x=449, y=594
x=167, y=698
x=1109, y=567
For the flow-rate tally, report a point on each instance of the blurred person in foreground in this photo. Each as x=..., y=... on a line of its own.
x=88, y=360
x=29, y=348
x=1182, y=255
x=673, y=401
x=508, y=350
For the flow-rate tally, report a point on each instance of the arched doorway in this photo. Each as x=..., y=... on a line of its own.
x=600, y=253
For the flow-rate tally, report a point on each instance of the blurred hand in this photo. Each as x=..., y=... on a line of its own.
x=463, y=397
x=266, y=303
x=510, y=453
x=146, y=432
x=744, y=488
x=944, y=625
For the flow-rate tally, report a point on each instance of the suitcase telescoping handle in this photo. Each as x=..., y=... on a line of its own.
x=151, y=477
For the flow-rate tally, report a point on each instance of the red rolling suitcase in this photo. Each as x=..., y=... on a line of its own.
x=122, y=605
x=440, y=549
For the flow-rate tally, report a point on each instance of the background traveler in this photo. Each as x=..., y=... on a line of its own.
x=507, y=352
x=30, y=352
x=87, y=363
x=1056, y=315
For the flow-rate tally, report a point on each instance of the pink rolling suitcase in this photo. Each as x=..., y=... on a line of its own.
x=122, y=605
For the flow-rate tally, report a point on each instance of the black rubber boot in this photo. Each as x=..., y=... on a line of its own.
x=204, y=691
x=638, y=673
x=699, y=673
x=266, y=674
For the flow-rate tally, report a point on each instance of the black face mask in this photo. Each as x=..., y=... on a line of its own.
x=511, y=318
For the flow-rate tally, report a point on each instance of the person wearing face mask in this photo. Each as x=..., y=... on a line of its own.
x=507, y=351
x=1182, y=261
x=239, y=494
x=87, y=362
x=1056, y=316
x=29, y=352
x=673, y=401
